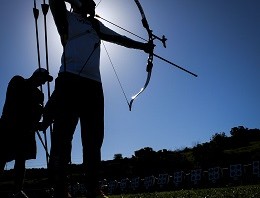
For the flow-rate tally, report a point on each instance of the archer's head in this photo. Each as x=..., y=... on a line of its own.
x=40, y=76
x=87, y=8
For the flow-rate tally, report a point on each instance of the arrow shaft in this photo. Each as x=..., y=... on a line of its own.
x=167, y=61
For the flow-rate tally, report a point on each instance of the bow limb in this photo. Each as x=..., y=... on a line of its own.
x=144, y=20
x=150, y=57
x=145, y=85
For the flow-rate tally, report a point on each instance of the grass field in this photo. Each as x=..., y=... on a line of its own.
x=250, y=191
x=230, y=192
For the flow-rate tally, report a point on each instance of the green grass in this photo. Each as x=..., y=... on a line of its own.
x=229, y=192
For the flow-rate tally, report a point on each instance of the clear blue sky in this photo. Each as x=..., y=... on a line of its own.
x=217, y=39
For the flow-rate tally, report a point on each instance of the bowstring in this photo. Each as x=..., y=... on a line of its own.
x=117, y=77
x=110, y=60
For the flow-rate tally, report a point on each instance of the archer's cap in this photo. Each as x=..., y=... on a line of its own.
x=44, y=73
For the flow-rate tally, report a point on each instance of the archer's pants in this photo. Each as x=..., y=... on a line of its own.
x=76, y=99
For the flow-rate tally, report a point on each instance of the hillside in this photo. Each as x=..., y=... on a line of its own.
x=242, y=147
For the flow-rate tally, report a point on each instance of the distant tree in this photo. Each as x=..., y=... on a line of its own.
x=238, y=131
x=254, y=134
x=145, y=153
x=240, y=136
x=147, y=161
x=118, y=156
x=218, y=137
x=219, y=140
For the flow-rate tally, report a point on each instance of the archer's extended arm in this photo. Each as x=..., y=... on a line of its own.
x=59, y=13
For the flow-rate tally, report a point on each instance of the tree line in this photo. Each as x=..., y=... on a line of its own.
x=241, y=146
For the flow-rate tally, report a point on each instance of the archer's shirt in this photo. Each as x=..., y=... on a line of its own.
x=82, y=51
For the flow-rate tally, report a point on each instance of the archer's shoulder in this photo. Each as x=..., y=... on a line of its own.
x=17, y=79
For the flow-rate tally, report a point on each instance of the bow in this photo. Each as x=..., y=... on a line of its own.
x=151, y=38
x=149, y=65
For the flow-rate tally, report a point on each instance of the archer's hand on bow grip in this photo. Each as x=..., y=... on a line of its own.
x=149, y=47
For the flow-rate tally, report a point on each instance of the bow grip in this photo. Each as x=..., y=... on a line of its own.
x=149, y=65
